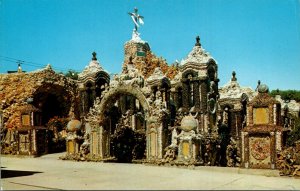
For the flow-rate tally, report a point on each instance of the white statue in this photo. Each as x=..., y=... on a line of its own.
x=174, y=137
x=136, y=18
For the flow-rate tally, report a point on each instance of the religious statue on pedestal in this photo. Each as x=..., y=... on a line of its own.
x=137, y=19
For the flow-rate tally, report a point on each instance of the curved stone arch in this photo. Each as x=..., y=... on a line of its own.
x=211, y=73
x=102, y=75
x=244, y=97
x=113, y=94
x=227, y=105
x=212, y=62
x=53, y=99
x=89, y=81
x=189, y=71
x=165, y=81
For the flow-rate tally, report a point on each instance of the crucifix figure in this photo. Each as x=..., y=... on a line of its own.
x=136, y=18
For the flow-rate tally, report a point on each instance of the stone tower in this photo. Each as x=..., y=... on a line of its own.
x=135, y=52
x=195, y=87
x=262, y=137
x=92, y=82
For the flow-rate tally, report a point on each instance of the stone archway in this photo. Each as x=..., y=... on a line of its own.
x=110, y=97
x=53, y=100
x=108, y=130
x=55, y=103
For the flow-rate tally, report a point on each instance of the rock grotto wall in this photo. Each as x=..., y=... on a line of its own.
x=16, y=88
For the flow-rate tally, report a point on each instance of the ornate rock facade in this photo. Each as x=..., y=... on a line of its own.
x=149, y=112
x=232, y=105
x=232, y=119
x=262, y=138
x=49, y=93
x=151, y=104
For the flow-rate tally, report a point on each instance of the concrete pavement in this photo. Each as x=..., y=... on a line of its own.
x=49, y=173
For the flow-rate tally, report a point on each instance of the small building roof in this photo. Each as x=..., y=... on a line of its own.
x=198, y=55
x=92, y=68
x=233, y=90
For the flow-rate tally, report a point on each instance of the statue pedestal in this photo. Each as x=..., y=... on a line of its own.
x=189, y=147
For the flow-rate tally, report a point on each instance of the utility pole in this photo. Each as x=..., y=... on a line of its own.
x=19, y=66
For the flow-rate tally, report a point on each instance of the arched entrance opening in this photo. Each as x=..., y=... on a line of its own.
x=54, y=102
x=123, y=114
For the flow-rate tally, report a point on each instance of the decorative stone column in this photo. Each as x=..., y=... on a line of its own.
x=82, y=103
x=271, y=116
x=30, y=142
x=96, y=138
x=176, y=101
x=203, y=94
x=273, y=149
x=246, y=150
x=185, y=97
x=196, y=95
x=249, y=115
x=152, y=142
x=168, y=95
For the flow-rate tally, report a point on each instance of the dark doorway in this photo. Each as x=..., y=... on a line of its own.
x=51, y=107
x=125, y=122
x=53, y=100
x=55, y=103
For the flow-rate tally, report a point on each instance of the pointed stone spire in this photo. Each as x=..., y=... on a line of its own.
x=198, y=55
x=258, y=84
x=92, y=68
x=197, y=41
x=233, y=78
x=49, y=67
x=94, y=56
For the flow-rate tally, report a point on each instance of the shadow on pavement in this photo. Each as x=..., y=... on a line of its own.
x=15, y=173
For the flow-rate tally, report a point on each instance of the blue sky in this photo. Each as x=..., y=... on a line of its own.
x=259, y=39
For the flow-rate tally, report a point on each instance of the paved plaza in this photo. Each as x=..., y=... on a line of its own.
x=50, y=173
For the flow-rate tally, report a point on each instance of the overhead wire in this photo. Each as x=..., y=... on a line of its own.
x=23, y=62
x=33, y=64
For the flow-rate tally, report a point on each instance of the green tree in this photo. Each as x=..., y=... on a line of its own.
x=294, y=135
x=72, y=74
x=287, y=94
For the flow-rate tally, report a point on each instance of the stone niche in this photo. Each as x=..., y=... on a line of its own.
x=154, y=141
x=153, y=147
x=99, y=143
x=262, y=137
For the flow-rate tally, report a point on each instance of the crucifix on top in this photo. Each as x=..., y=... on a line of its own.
x=136, y=18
